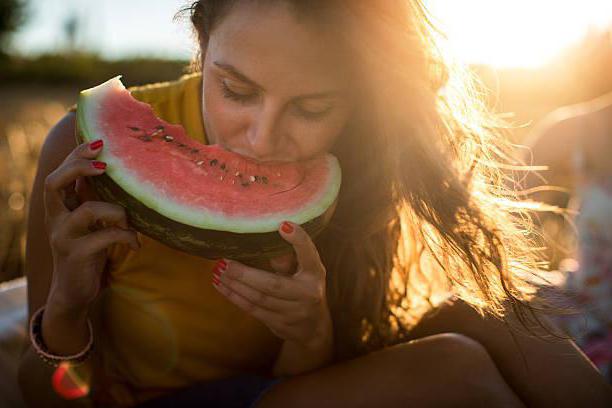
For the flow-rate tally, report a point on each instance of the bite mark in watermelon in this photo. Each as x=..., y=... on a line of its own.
x=199, y=198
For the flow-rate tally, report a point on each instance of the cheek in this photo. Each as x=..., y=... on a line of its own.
x=313, y=138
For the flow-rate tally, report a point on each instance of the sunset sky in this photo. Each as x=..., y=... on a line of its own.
x=523, y=33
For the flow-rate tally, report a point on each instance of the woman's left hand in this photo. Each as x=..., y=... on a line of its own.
x=293, y=307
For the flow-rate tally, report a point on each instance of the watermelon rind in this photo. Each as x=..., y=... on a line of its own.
x=195, y=230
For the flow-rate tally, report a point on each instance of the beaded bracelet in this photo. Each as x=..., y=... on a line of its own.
x=41, y=349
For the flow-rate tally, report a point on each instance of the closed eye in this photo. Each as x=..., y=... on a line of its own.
x=237, y=93
x=246, y=97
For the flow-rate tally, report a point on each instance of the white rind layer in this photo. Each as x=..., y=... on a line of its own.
x=147, y=193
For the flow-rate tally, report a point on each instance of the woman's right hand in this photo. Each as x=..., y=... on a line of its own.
x=80, y=233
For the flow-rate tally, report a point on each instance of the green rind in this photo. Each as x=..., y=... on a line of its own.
x=200, y=218
x=209, y=242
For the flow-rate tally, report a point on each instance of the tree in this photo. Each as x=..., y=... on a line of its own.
x=12, y=15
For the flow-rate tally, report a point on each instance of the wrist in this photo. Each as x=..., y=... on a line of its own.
x=59, y=307
x=64, y=334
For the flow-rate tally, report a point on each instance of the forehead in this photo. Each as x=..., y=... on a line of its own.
x=266, y=42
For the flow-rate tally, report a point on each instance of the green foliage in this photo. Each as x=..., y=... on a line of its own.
x=86, y=70
x=12, y=14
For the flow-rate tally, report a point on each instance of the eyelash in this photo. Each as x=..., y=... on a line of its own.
x=243, y=99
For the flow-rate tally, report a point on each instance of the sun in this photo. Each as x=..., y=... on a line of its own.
x=520, y=33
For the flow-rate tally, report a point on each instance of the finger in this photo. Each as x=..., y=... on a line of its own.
x=92, y=214
x=305, y=250
x=284, y=265
x=265, y=316
x=85, y=191
x=86, y=151
x=64, y=176
x=95, y=242
x=269, y=283
x=256, y=297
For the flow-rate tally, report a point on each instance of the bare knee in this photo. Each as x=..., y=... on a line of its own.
x=462, y=366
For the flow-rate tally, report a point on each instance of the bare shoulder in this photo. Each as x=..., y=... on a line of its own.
x=535, y=365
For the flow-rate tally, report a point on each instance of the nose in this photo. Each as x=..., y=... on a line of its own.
x=264, y=132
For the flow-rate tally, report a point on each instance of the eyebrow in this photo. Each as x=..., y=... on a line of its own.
x=234, y=71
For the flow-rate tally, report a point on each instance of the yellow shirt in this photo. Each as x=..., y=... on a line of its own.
x=160, y=325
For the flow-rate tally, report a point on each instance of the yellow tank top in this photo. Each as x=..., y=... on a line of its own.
x=160, y=325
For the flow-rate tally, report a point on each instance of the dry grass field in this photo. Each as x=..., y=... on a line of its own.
x=26, y=114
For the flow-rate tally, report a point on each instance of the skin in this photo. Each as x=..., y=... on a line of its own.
x=296, y=98
x=456, y=358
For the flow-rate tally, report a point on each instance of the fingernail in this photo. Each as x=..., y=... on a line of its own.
x=219, y=267
x=98, y=165
x=287, y=228
x=95, y=145
x=216, y=280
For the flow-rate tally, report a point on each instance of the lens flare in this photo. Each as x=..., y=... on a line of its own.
x=67, y=382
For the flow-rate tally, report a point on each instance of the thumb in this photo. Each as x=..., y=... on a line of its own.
x=284, y=264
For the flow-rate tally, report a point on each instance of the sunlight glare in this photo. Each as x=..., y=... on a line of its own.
x=521, y=33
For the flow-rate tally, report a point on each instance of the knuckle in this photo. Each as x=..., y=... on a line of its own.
x=50, y=181
x=55, y=240
x=275, y=283
x=263, y=299
x=119, y=234
x=84, y=215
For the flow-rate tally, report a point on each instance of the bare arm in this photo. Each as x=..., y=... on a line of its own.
x=65, y=256
x=35, y=374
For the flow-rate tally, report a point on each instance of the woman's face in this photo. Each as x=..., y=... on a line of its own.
x=274, y=88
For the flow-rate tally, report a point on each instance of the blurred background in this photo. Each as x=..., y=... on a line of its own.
x=533, y=56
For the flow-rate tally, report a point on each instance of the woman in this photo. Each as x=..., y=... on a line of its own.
x=420, y=220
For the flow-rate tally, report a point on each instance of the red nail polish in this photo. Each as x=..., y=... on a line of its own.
x=216, y=280
x=95, y=145
x=221, y=265
x=98, y=165
x=287, y=228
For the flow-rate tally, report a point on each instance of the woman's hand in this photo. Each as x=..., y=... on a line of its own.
x=293, y=307
x=80, y=233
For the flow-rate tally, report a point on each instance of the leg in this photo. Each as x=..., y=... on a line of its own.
x=440, y=370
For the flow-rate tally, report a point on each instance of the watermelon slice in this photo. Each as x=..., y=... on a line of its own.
x=199, y=198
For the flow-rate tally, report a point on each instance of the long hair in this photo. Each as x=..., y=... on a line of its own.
x=425, y=211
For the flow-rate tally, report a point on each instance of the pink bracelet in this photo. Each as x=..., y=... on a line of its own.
x=41, y=349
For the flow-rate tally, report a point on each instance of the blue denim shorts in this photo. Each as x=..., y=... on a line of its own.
x=243, y=391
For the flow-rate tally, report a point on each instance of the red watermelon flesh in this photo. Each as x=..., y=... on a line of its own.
x=204, y=186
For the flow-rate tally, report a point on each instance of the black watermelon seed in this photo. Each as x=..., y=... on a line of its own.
x=214, y=162
x=223, y=166
x=245, y=184
x=134, y=128
x=159, y=127
x=181, y=145
x=264, y=179
x=194, y=150
x=145, y=138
